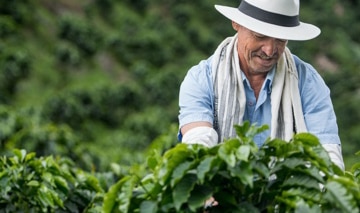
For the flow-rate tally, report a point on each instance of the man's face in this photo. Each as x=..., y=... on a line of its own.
x=258, y=53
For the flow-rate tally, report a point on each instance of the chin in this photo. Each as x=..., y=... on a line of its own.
x=263, y=69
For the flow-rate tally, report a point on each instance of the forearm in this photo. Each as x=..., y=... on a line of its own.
x=204, y=135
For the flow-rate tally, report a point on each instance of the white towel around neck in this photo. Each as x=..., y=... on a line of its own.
x=230, y=101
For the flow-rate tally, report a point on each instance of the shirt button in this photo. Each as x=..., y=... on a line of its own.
x=251, y=103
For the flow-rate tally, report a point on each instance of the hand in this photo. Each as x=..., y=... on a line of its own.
x=210, y=203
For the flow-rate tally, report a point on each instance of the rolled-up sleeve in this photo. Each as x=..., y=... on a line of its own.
x=317, y=106
x=196, y=95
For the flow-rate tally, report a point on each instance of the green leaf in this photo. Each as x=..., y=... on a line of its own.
x=338, y=195
x=261, y=168
x=307, y=139
x=246, y=207
x=241, y=130
x=349, y=183
x=149, y=184
x=153, y=161
x=20, y=154
x=248, y=131
x=48, y=177
x=305, y=193
x=204, y=167
x=61, y=184
x=148, y=207
x=355, y=169
x=56, y=199
x=30, y=156
x=33, y=183
x=243, y=152
x=179, y=172
x=289, y=163
x=171, y=160
x=125, y=194
x=93, y=183
x=198, y=196
x=286, y=149
x=117, y=199
x=182, y=190
x=227, y=151
x=315, y=173
x=243, y=170
x=303, y=207
x=320, y=156
x=45, y=196
x=302, y=181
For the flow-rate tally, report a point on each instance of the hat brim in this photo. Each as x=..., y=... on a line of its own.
x=301, y=32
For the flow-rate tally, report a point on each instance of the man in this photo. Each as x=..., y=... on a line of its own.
x=253, y=76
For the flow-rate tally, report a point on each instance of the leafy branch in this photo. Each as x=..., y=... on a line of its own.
x=281, y=176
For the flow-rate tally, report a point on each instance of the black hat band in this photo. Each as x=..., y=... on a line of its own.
x=268, y=17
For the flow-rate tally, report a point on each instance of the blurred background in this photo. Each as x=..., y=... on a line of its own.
x=98, y=80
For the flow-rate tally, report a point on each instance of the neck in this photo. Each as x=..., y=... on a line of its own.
x=256, y=81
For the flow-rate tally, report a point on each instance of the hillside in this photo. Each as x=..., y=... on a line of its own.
x=97, y=80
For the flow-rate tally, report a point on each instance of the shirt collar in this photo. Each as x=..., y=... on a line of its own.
x=268, y=81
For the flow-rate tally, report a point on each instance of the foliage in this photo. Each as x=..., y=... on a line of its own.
x=46, y=184
x=28, y=130
x=56, y=57
x=107, y=104
x=15, y=65
x=19, y=10
x=281, y=176
x=295, y=176
x=81, y=34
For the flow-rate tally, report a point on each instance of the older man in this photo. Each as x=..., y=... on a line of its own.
x=253, y=76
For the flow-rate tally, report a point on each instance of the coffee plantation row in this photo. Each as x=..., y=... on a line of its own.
x=281, y=176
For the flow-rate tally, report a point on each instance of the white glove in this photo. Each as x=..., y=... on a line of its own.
x=204, y=135
x=334, y=151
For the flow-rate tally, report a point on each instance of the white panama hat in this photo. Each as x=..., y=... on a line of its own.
x=274, y=18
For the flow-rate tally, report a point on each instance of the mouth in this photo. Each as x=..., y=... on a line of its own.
x=266, y=60
x=265, y=57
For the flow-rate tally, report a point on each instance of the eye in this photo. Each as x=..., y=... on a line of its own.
x=282, y=41
x=259, y=36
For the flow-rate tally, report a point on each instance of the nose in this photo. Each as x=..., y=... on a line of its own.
x=269, y=47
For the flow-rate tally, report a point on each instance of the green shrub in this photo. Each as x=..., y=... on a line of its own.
x=7, y=26
x=281, y=176
x=46, y=184
x=108, y=104
x=295, y=176
x=21, y=11
x=15, y=66
x=80, y=33
x=27, y=130
x=68, y=54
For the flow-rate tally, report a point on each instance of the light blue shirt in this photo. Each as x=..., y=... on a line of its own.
x=196, y=101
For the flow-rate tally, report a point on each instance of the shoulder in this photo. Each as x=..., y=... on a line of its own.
x=203, y=68
x=306, y=72
x=303, y=66
x=200, y=73
x=311, y=83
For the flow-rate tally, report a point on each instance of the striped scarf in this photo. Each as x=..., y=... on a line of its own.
x=230, y=101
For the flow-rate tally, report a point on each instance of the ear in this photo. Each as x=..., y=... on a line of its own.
x=235, y=25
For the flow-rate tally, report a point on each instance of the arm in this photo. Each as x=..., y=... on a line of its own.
x=196, y=106
x=318, y=110
x=334, y=151
x=199, y=133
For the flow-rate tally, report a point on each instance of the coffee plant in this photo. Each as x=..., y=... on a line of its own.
x=46, y=184
x=281, y=176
